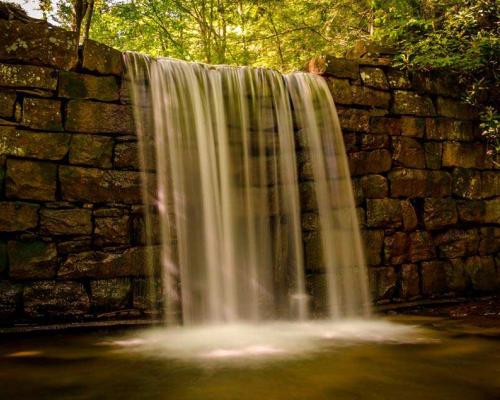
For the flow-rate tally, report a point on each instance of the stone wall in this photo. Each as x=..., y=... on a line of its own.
x=71, y=215
x=427, y=196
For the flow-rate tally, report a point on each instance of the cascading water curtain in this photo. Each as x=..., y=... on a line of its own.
x=218, y=153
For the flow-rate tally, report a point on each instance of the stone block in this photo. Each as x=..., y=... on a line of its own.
x=492, y=211
x=74, y=245
x=112, y=230
x=383, y=282
x=91, y=150
x=332, y=66
x=126, y=156
x=4, y=260
x=457, y=280
x=490, y=184
x=457, y=243
x=450, y=129
x=436, y=83
x=71, y=221
x=43, y=114
x=7, y=104
x=410, y=103
x=37, y=43
x=421, y=247
x=27, y=76
x=340, y=89
x=455, y=109
x=419, y=183
x=384, y=213
x=467, y=183
x=371, y=141
x=439, y=213
x=398, y=79
x=463, y=155
x=374, y=186
x=413, y=127
x=396, y=248
x=433, y=155
x=439, y=184
x=410, y=219
x=101, y=265
x=32, y=260
x=385, y=125
x=352, y=119
x=94, y=117
x=73, y=85
x=313, y=253
x=365, y=96
x=51, y=299
x=373, y=241
x=38, y=145
x=110, y=294
x=410, y=281
x=102, y=59
x=490, y=240
x=10, y=296
x=434, y=279
x=374, y=77
x=369, y=162
x=18, y=216
x=408, y=152
x=481, y=272
x=100, y=186
x=30, y=180
x=471, y=211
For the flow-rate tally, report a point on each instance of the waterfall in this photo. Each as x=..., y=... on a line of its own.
x=223, y=144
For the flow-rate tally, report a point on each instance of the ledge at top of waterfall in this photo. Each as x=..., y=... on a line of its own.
x=240, y=155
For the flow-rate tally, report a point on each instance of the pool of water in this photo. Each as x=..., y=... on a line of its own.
x=410, y=358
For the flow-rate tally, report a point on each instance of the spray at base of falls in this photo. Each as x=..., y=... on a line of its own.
x=224, y=196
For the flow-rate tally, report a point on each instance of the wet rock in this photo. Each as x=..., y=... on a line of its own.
x=102, y=59
x=463, y=155
x=411, y=103
x=383, y=213
x=421, y=247
x=434, y=279
x=313, y=254
x=32, y=260
x=383, y=282
x=408, y=153
x=457, y=243
x=10, y=295
x=7, y=104
x=39, y=145
x=310, y=221
x=369, y=162
x=374, y=77
x=146, y=296
x=492, y=211
x=75, y=245
x=396, y=248
x=338, y=67
x=490, y=240
x=110, y=294
x=471, y=211
x=18, y=216
x=439, y=213
x=385, y=125
x=455, y=109
x=433, y=155
x=43, y=114
x=91, y=150
x=4, y=261
x=373, y=241
x=37, y=43
x=27, y=76
x=317, y=289
x=102, y=265
x=82, y=86
x=95, y=117
x=374, y=186
x=372, y=142
x=66, y=222
x=410, y=281
x=353, y=119
x=29, y=180
x=50, y=299
x=482, y=273
x=111, y=230
x=340, y=89
x=100, y=186
x=126, y=156
x=456, y=277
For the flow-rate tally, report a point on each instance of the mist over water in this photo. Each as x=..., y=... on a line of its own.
x=224, y=199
